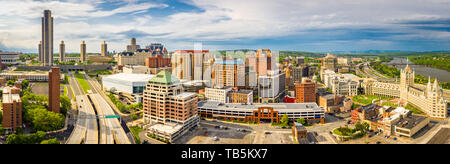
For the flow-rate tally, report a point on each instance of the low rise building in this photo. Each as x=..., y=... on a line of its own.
x=217, y=94
x=271, y=112
x=35, y=76
x=128, y=83
x=299, y=131
x=240, y=96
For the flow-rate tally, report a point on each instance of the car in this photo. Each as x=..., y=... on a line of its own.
x=378, y=142
x=243, y=130
x=268, y=133
x=216, y=138
x=214, y=120
x=226, y=128
x=217, y=127
x=284, y=127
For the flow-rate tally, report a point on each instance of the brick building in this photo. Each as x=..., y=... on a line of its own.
x=54, y=90
x=12, y=108
x=169, y=111
x=305, y=92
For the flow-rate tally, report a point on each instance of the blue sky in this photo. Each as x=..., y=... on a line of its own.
x=303, y=25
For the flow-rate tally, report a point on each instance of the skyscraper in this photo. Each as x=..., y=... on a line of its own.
x=62, y=51
x=83, y=52
x=40, y=52
x=54, y=90
x=133, y=47
x=104, y=49
x=47, y=38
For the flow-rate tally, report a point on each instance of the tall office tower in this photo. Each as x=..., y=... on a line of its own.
x=305, y=91
x=47, y=38
x=40, y=51
x=62, y=51
x=190, y=64
x=83, y=52
x=133, y=47
x=330, y=62
x=12, y=108
x=169, y=110
x=54, y=89
x=229, y=73
x=104, y=49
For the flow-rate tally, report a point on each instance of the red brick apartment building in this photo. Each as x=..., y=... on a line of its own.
x=305, y=92
x=12, y=108
x=54, y=90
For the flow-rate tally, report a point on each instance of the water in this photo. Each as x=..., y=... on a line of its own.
x=440, y=74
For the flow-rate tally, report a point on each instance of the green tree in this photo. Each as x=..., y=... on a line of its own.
x=25, y=84
x=2, y=130
x=44, y=120
x=10, y=82
x=301, y=121
x=65, y=104
x=53, y=141
x=285, y=120
x=15, y=139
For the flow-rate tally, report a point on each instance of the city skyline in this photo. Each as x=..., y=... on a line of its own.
x=317, y=26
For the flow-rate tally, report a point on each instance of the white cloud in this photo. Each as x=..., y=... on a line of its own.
x=224, y=20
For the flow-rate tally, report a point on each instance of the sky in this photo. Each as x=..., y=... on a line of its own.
x=298, y=25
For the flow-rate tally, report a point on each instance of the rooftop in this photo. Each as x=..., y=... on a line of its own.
x=129, y=77
x=164, y=77
x=184, y=95
x=169, y=129
x=282, y=107
x=411, y=122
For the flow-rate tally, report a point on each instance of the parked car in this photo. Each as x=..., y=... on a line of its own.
x=268, y=133
x=216, y=138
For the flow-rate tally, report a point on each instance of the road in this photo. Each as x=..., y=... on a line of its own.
x=86, y=128
x=113, y=126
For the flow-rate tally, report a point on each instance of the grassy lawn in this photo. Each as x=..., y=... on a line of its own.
x=136, y=130
x=390, y=104
x=368, y=99
x=413, y=109
x=83, y=82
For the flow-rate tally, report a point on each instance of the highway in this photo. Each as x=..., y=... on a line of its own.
x=113, y=125
x=86, y=127
x=111, y=129
x=86, y=130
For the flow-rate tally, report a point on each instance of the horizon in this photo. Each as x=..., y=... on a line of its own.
x=317, y=26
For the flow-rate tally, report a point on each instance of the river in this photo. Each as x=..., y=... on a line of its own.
x=441, y=75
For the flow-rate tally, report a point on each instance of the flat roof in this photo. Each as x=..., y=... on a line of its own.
x=410, y=122
x=282, y=107
x=130, y=77
x=184, y=95
x=170, y=129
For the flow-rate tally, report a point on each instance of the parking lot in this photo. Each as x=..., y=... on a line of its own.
x=226, y=133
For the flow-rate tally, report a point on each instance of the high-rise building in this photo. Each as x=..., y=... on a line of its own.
x=54, y=90
x=229, y=73
x=47, y=38
x=330, y=62
x=305, y=91
x=83, y=55
x=62, y=51
x=192, y=64
x=169, y=110
x=104, y=49
x=40, y=52
x=133, y=47
x=158, y=63
x=12, y=108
